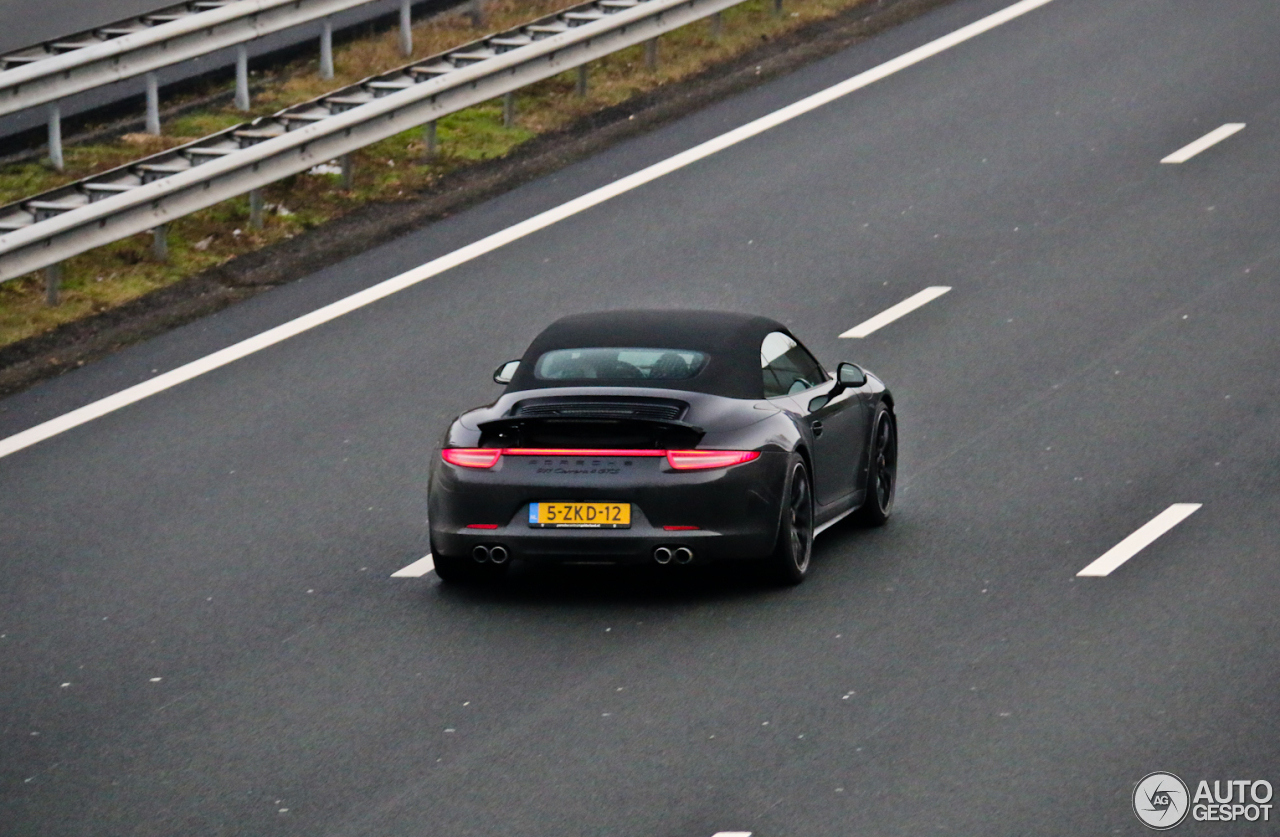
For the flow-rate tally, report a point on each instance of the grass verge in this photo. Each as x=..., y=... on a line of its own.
x=387, y=171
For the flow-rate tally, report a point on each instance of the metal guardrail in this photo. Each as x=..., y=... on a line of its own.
x=50, y=71
x=47, y=229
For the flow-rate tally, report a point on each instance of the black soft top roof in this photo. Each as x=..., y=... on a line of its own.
x=732, y=341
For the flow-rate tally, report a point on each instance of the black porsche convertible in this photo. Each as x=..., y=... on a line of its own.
x=667, y=437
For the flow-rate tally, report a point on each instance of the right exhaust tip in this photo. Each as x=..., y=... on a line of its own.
x=662, y=555
x=683, y=555
x=498, y=554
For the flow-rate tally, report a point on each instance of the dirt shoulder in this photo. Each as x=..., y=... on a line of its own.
x=73, y=344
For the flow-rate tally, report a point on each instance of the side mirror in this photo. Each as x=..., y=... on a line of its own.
x=850, y=375
x=847, y=375
x=504, y=373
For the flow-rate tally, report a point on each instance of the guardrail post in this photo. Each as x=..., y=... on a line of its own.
x=651, y=54
x=160, y=243
x=55, y=136
x=282, y=154
x=430, y=141
x=509, y=109
x=777, y=7
x=476, y=13
x=52, y=283
x=256, y=205
x=348, y=171
x=242, y=77
x=326, y=49
x=717, y=25
x=153, y=105
x=406, y=28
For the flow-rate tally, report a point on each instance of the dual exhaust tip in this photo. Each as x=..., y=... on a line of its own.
x=496, y=554
x=665, y=555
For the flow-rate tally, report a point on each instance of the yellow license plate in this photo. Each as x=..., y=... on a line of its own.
x=580, y=515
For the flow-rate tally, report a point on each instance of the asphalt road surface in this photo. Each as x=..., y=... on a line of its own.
x=200, y=634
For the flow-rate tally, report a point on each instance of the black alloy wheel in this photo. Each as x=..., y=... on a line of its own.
x=882, y=476
x=791, y=555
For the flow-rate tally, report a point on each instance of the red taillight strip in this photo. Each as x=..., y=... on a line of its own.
x=692, y=460
x=681, y=460
x=582, y=452
x=472, y=457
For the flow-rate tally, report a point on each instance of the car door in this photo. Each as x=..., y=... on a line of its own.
x=796, y=381
x=838, y=425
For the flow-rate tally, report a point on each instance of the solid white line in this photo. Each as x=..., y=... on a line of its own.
x=1210, y=139
x=417, y=569
x=903, y=308
x=732, y=834
x=485, y=245
x=1135, y=543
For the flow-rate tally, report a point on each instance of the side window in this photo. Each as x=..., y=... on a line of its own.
x=787, y=367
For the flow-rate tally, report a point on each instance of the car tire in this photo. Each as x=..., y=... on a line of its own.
x=449, y=569
x=882, y=473
x=793, y=551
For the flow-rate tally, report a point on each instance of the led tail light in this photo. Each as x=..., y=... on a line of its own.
x=582, y=452
x=472, y=457
x=694, y=460
x=681, y=460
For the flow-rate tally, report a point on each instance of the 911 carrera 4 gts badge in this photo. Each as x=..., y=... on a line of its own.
x=578, y=466
x=580, y=515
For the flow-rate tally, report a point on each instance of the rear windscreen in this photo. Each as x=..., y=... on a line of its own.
x=619, y=364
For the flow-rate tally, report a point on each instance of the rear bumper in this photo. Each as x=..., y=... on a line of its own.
x=735, y=509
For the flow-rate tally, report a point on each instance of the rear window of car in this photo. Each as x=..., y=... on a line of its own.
x=619, y=364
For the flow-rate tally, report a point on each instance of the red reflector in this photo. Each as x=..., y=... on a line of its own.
x=472, y=457
x=692, y=460
x=679, y=528
x=482, y=526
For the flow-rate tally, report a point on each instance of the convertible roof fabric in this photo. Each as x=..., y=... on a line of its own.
x=732, y=342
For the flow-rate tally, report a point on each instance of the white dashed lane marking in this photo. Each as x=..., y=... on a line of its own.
x=417, y=569
x=902, y=309
x=1139, y=540
x=1209, y=140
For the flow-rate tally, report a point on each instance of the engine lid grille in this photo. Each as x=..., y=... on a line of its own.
x=652, y=410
